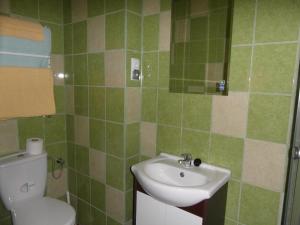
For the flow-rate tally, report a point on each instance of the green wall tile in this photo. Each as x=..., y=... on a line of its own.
x=115, y=172
x=25, y=8
x=83, y=212
x=82, y=159
x=197, y=111
x=259, y=206
x=134, y=5
x=149, y=102
x=55, y=129
x=268, y=117
x=98, y=195
x=81, y=100
x=164, y=69
x=115, y=139
x=3, y=211
x=115, y=30
x=115, y=5
x=134, y=28
x=150, y=32
x=67, y=11
x=129, y=177
x=111, y=221
x=97, y=134
x=165, y=5
x=30, y=127
x=71, y=155
x=169, y=108
x=84, y=187
x=273, y=68
x=69, y=79
x=285, y=14
x=96, y=69
x=95, y=7
x=51, y=11
x=80, y=70
x=72, y=180
x=70, y=128
x=59, y=96
x=239, y=68
x=199, y=28
x=97, y=102
x=196, y=143
x=57, y=38
x=115, y=104
x=80, y=37
x=97, y=217
x=129, y=205
x=132, y=139
x=233, y=197
x=56, y=151
x=68, y=39
x=243, y=20
x=168, y=140
x=150, y=69
x=227, y=152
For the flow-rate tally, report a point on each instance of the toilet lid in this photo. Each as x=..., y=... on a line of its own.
x=46, y=211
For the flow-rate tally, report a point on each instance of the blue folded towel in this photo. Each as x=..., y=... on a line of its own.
x=25, y=53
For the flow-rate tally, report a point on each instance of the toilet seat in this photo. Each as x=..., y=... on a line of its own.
x=43, y=211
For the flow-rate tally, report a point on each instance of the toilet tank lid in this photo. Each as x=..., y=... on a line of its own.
x=19, y=158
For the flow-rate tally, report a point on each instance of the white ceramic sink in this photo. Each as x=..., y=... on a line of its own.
x=168, y=181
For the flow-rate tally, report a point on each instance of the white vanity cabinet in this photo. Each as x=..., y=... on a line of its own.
x=150, y=211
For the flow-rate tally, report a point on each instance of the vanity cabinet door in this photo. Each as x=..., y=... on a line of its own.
x=150, y=211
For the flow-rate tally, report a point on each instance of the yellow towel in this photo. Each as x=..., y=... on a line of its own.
x=26, y=92
x=21, y=29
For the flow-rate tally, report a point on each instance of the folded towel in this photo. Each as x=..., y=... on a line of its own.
x=19, y=45
x=26, y=92
x=22, y=29
x=36, y=61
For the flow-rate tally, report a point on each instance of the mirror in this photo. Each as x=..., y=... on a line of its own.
x=200, y=46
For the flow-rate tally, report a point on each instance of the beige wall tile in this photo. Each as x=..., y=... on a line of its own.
x=198, y=7
x=148, y=139
x=165, y=31
x=9, y=142
x=57, y=65
x=4, y=6
x=96, y=34
x=82, y=132
x=229, y=114
x=264, y=164
x=151, y=7
x=181, y=31
x=214, y=71
x=57, y=187
x=133, y=97
x=69, y=99
x=115, y=68
x=98, y=165
x=115, y=202
x=79, y=10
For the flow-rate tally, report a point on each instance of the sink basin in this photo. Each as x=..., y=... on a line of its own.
x=166, y=180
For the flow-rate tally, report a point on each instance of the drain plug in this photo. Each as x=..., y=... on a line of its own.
x=181, y=174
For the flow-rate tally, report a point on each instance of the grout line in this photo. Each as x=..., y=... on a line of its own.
x=248, y=107
x=264, y=43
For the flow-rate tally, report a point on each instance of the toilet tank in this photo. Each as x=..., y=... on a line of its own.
x=22, y=176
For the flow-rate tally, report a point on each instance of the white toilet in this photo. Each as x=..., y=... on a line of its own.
x=22, y=186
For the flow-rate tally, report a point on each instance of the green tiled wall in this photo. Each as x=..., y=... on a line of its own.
x=51, y=129
x=223, y=130
x=103, y=141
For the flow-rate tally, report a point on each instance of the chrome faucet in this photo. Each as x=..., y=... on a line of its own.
x=186, y=161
